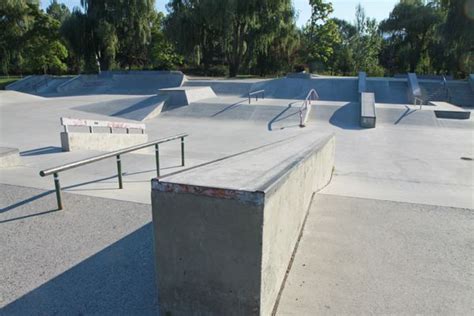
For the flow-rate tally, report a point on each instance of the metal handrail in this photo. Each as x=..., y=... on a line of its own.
x=312, y=95
x=256, y=93
x=415, y=99
x=117, y=153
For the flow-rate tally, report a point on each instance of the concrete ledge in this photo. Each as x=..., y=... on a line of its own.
x=9, y=157
x=367, y=110
x=186, y=95
x=414, y=90
x=101, y=141
x=224, y=248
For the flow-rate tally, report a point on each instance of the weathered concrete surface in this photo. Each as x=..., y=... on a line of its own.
x=93, y=258
x=186, y=95
x=225, y=232
x=100, y=141
x=367, y=110
x=372, y=257
x=9, y=157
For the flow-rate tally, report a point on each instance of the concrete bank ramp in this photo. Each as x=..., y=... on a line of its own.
x=12, y=97
x=328, y=88
x=137, y=108
x=115, y=82
x=225, y=231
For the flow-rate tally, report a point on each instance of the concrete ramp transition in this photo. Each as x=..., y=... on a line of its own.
x=225, y=231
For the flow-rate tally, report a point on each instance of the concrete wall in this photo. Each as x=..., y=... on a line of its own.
x=471, y=81
x=101, y=141
x=222, y=251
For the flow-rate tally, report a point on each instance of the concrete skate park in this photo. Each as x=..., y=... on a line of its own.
x=298, y=195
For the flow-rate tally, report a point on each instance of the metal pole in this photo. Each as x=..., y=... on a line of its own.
x=119, y=171
x=157, y=157
x=58, y=191
x=182, y=151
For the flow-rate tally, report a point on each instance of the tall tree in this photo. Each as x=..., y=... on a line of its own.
x=410, y=28
x=320, y=35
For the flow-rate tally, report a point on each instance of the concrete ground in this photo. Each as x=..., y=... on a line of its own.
x=396, y=213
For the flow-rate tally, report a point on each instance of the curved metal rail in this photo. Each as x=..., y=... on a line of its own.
x=56, y=170
x=306, y=107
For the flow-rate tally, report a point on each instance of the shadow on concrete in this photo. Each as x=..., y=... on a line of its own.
x=41, y=151
x=230, y=107
x=405, y=114
x=119, y=280
x=279, y=117
x=347, y=116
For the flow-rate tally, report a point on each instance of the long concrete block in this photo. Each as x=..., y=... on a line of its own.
x=101, y=141
x=9, y=157
x=225, y=232
x=367, y=110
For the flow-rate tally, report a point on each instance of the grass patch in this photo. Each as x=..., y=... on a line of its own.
x=5, y=81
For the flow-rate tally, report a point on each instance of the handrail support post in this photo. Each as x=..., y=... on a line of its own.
x=119, y=172
x=57, y=186
x=157, y=159
x=182, y=151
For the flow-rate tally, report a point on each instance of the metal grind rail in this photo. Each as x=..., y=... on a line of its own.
x=312, y=95
x=256, y=94
x=56, y=170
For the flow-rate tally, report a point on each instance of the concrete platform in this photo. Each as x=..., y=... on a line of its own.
x=449, y=111
x=225, y=232
x=186, y=95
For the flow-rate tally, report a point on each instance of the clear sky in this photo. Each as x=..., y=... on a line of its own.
x=343, y=9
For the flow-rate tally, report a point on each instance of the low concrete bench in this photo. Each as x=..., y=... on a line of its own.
x=96, y=140
x=9, y=157
x=367, y=110
x=225, y=232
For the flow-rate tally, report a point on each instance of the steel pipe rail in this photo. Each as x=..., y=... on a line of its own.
x=117, y=153
x=256, y=93
x=312, y=95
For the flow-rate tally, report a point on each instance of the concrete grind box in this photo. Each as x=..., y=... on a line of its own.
x=223, y=251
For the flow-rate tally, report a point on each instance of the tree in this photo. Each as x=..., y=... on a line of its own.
x=410, y=29
x=366, y=45
x=161, y=52
x=58, y=11
x=320, y=35
x=458, y=36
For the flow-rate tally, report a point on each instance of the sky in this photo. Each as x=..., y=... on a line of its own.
x=343, y=9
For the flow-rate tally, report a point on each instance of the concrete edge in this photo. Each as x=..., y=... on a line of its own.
x=276, y=181
x=247, y=197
